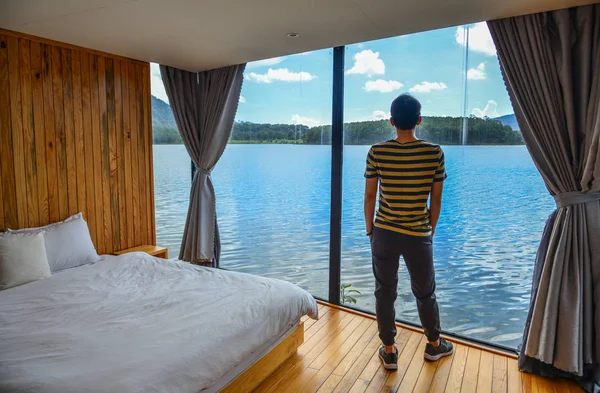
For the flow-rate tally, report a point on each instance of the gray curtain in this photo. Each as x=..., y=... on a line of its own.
x=551, y=66
x=204, y=105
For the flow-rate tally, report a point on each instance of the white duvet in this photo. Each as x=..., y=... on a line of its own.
x=135, y=323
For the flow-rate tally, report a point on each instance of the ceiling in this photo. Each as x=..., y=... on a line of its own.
x=204, y=34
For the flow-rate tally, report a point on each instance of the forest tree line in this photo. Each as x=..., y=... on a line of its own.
x=440, y=130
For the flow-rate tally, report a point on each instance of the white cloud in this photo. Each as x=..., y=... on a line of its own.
x=157, y=88
x=280, y=75
x=480, y=39
x=242, y=100
x=383, y=86
x=307, y=121
x=380, y=115
x=477, y=73
x=427, y=87
x=368, y=63
x=490, y=110
x=264, y=63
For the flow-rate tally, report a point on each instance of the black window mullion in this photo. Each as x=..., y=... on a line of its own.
x=337, y=150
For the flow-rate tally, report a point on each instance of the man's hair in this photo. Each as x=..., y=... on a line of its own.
x=405, y=112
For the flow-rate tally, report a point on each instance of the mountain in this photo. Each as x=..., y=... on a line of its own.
x=442, y=130
x=162, y=114
x=509, y=120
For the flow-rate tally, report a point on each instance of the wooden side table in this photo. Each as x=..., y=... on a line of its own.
x=156, y=251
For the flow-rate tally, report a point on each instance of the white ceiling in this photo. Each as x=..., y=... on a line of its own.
x=204, y=34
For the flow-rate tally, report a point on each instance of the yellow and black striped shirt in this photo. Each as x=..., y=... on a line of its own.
x=406, y=173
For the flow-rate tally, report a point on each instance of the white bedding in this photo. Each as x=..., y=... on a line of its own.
x=135, y=323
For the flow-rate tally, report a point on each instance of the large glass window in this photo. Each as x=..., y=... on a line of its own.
x=273, y=181
x=172, y=165
x=492, y=215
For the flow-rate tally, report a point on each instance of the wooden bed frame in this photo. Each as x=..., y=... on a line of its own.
x=257, y=373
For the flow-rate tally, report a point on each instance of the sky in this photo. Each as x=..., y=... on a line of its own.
x=297, y=89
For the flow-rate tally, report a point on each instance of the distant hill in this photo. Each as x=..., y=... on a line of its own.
x=442, y=130
x=161, y=114
x=509, y=120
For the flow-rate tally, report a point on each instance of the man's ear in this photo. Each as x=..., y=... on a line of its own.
x=392, y=122
x=420, y=119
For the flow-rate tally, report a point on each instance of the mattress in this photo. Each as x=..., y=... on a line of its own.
x=135, y=323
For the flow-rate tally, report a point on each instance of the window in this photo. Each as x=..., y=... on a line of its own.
x=273, y=181
x=172, y=165
x=492, y=217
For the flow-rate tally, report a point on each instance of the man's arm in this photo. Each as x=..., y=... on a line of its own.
x=435, y=203
x=370, y=200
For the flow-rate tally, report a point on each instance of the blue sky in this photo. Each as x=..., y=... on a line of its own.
x=429, y=65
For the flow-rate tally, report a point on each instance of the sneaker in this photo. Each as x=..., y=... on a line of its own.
x=436, y=353
x=390, y=360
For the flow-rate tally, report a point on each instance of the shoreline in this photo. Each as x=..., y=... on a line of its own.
x=310, y=144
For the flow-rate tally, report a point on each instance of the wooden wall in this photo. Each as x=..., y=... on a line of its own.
x=75, y=135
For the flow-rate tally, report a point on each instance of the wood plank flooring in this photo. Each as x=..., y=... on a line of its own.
x=339, y=354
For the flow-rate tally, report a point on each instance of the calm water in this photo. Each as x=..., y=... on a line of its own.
x=273, y=209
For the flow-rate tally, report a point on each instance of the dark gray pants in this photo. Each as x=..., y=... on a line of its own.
x=387, y=248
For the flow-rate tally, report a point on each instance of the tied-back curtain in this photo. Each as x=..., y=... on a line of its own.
x=204, y=105
x=551, y=65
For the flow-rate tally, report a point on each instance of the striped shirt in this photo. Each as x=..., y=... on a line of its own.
x=406, y=173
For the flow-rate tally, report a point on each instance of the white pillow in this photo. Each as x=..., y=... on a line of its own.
x=40, y=229
x=22, y=259
x=68, y=243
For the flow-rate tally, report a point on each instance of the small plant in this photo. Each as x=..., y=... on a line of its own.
x=345, y=294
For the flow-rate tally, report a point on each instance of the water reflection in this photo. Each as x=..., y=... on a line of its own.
x=273, y=208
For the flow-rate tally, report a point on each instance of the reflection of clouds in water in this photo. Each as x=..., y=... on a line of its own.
x=273, y=206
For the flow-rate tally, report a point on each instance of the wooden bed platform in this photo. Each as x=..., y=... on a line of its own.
x=256, y=374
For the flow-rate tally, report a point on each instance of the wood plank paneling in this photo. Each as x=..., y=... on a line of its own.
x=135, y=187
x=103, y=84
x=59, y=132
x=75, y=136
x=7, y=173
x=96, y=152
x=29, y=147
x=113, y=190
x=39, y=131
x=69, y=118
x=126, y=131
x=79, y=143
x=147, y=132
x=17, y=130
x=51, y=140
x=139, y=82
x=88, y=147
x=120, y=152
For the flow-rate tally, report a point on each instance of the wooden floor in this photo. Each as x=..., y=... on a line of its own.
x=339, y=354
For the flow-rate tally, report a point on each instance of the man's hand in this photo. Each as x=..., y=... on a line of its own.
x=435, y=207
x=370, y=201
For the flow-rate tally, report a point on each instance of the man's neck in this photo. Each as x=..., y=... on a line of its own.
x=404, y=136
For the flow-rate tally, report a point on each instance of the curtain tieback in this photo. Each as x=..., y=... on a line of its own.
x=203, y=171
x=575, y=198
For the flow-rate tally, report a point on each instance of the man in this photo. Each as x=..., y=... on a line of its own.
x=407, y=171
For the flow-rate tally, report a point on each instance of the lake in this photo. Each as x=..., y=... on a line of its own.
x=273, y=212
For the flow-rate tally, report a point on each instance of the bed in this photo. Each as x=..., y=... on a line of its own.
x=136, y=323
